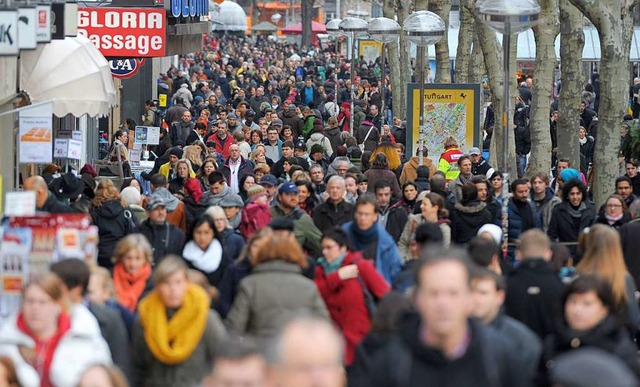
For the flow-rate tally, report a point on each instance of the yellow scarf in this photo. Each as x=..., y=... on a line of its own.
x=173, y=341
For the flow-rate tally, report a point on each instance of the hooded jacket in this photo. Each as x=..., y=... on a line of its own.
x=112, y=226
x=467, y=219
x=322, y=140
x=410, y=169
x=212, y=199
x=176, y=213
x=79, y=348
x=289, y=117
x=333, y=134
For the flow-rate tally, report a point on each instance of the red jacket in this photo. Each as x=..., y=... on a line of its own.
x=220, y=148
x=345, y=299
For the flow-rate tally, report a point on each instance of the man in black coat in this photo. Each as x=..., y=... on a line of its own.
x=335, y=211
x=164, y=237
x=533, y=289
x=45, y=200
x=75, y=275
x=392, y=215
x=439, y=345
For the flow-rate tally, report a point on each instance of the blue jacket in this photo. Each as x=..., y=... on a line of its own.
x=388, y=260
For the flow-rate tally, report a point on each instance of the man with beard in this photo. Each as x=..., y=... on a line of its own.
x=392, y=215
x=483, y=195
x=180, y=130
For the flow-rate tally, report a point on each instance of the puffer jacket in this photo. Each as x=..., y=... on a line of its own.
x=79, y=348
x=467, y=219
x=322, y=140
x=112, y=226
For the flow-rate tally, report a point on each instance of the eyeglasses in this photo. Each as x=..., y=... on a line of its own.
x=614, y=206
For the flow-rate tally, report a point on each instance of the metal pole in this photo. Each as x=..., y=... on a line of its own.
x=381, y=85
x=421, y=54
x=353, y=74
x=506, y=40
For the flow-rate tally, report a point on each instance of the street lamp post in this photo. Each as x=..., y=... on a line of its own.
x=333, y=29
x=383, y=30
x=354, y=27
x=423, y=28
x=507, y=17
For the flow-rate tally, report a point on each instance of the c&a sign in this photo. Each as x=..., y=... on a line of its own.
x=125, y=32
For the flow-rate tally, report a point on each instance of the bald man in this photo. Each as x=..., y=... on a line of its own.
x=45, y=201
x=308, y=351
x=235, y=168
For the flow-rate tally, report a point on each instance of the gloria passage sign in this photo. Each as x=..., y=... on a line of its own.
x=125, y=32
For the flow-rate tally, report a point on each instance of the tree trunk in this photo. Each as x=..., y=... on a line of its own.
x=443, y=63
x=614, y=21
x=571, y=46
x=476, y=68
x=307, y=11
x=398, y=58
x=465, y=39
x=545, y=34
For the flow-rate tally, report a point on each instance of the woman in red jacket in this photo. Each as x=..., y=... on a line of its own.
x=343, y=277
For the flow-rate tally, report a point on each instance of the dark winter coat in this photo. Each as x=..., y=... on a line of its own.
x=112, y=226
x=289, y=117
x=193, y=211
x=516, y=221
x=534, y=295
x=327, y=215
x=165, y=239
x=466, y=220
x=233, y=274
x=586, y=154
x=489, y=360
x=396, y=219
x=333, y=134
x=375, y=174
x=372, y=140
x=232, y=243
x=246, y=168
x=54, y=206
x=481, y=167
x=630, y=235
x=523, y=140
x=609, y=335
x=345, y=299
x=564, y=228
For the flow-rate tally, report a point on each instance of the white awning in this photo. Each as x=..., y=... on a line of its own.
x=72, y=73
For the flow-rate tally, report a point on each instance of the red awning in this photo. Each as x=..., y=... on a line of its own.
x=296, y=29
x=277, y=6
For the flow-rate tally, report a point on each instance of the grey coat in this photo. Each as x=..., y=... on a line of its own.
x=150, y=372
x=269, y=296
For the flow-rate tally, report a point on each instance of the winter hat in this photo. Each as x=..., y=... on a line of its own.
x=316, y=148
x=131, y=195
x=175, y=151
x=493, y=230
x=197, y=99
x=255, y=192
x=231, y=200
x=569, y=174
x=88, y=169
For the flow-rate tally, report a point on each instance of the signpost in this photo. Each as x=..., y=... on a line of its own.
x=9, y=33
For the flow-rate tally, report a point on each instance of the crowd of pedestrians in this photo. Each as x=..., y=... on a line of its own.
x=272, y=246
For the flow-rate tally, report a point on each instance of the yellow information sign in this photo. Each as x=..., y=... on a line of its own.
x=449, y=110
x=369, y=50
x=162, y=100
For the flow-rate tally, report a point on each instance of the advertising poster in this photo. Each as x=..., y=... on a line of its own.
x=449, y=110
x=147, y=135
x=369, y=50
x=14, y=268
x=36, y=134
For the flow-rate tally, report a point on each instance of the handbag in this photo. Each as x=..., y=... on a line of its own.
x=361, y=146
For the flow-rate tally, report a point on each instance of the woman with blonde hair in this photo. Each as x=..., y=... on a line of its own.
x=110, y=214
x=132, y=260
x=602, y=256
x=275, y=289
x=175, y=334
x=49, y=344
x=386, y=147
x=183, y=172
x=192, y=153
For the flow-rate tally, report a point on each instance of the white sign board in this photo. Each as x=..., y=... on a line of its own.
x=148, y=135
x=36, y=137
x=9, y=33
x=43, y=24
x=27, y=28
x=71, y=19
x=65, y=148
x=20, y=203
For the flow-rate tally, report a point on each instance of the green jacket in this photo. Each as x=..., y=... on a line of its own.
x=307, y=234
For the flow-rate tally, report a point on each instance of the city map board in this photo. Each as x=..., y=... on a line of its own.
x=369, y=50
x=451, y=109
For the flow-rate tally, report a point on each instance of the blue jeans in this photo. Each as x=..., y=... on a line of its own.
x=522, y=165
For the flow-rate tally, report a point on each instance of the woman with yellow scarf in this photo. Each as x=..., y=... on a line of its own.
x=175, y=334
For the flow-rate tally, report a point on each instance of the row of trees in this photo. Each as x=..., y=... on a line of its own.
x=479, y=52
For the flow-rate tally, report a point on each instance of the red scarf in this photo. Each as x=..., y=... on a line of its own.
x=45, y=349
x=129, y=287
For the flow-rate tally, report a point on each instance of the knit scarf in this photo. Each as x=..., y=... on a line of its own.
x=331, y=267
x=172, y=341
x=129, y=286
x=612, y=219
x=45, y=349
x=576, y=212
x=364, y=238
